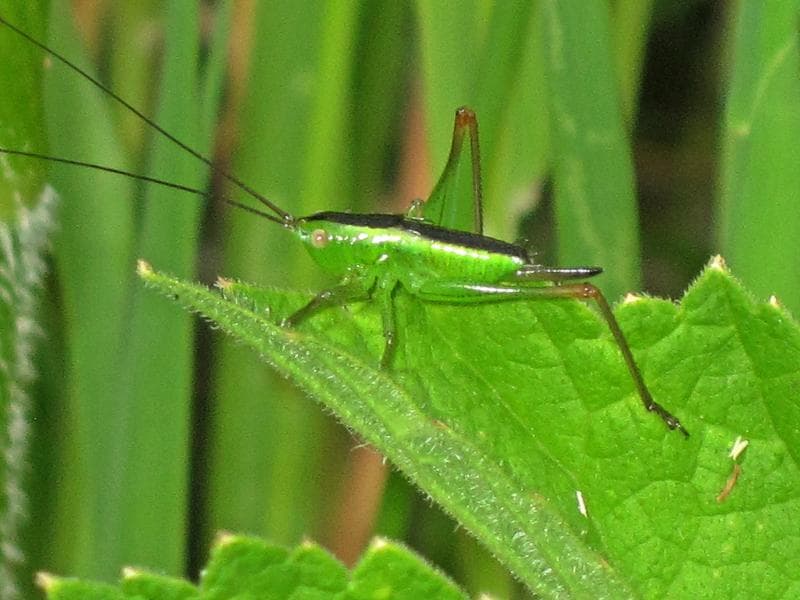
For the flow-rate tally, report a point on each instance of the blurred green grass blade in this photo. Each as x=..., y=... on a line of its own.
x=327, y=176
x=267, y=473
x=381, y=80
x=759, y=225
x=21, y=111
x=449, y=46
x=397, y=506
x=505, y=49
x=323, y=174
x=630, y=21
x=133, y=26
x=596, y=209
x=214, y=74
x=478, y=569
x=94, y=253
x=130, y=384
x=518, y=166
x=27, y=219
x=159, y=355
x=448, y=43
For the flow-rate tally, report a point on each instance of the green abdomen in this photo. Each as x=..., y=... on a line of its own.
x=421, y=258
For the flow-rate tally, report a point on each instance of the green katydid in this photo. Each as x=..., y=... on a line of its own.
x=420, y=251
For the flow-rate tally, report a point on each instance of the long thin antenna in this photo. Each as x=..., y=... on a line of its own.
x=287, y=218
x=165, y=183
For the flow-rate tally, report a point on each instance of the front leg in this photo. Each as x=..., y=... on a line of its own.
x=351, y=289
x=354, y=289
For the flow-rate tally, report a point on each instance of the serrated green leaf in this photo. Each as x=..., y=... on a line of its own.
x=441, y=460
x=149, y=586
x=241, y=565
x=389, y=570
x=247, y=567
x=318, y=570
x=77, y=589
x=507, y=414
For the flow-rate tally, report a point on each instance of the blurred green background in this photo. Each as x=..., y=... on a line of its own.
x=643, y=136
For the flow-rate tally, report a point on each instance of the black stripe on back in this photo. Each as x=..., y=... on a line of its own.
x=424, y=229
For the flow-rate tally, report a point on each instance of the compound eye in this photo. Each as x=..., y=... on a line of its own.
x=319, y=238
